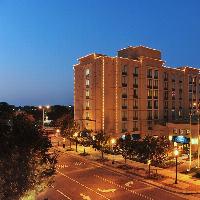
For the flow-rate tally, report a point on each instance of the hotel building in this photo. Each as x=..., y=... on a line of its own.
x=134, y=92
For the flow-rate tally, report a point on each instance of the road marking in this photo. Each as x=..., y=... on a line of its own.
x=79, y=163
x=125, y=188
x=129, y=183
x=85, y=197
x=62, y=166
x=61, y=193
x=106, y=191
x=83, y=185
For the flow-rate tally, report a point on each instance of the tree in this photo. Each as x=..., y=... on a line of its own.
x=100, y=142
x=125, y=145
x=85, y=139
x=153, y=148
x=25, y=162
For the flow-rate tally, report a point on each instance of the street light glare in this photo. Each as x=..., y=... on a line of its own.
x=176, y=152
x=113, y=141
x=48, y=106
x=40, y=107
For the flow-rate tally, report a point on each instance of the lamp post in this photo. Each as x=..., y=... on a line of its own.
x=176, y=153
x=190, y=156
x=113, y=141
x=149, y=164
x=43, y=107
x=76, y=135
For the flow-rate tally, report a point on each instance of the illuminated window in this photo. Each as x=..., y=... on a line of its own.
x=87, y=82
x=87, y=93
x=149, y=93
x=87, y=72
x=87, y=115
x=87, y=104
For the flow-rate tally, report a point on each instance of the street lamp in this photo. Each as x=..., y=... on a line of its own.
x=43, y=107
x=113, y=141
x=198, y=112
x=76, y=135
x=176, y=153
x=149, y=164
x=57, y=132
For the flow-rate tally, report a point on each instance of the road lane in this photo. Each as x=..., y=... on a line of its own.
x=81, y=179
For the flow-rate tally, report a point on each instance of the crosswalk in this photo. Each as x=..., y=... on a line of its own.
x=62, y=166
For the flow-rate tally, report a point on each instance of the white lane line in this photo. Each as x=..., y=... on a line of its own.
x=122, y=187
x=82, y=185
x=61, y=193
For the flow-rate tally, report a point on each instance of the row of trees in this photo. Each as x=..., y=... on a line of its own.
x=151, y=148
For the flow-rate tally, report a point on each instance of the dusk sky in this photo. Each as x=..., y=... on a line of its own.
x=40, y=40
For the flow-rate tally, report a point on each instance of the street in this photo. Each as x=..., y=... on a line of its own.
x=80, y=179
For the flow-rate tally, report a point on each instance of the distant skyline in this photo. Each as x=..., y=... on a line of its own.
x=40, y=41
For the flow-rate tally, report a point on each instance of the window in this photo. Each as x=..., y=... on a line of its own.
x=149, y=93
x=190, y=88
x=173, y=85
x=124, y=127
x=166, y=95
x=166, y=85
x=190, y=80
x=135, y=115
x=124, y=114
x=165, y=75
x=173, y=104
x=149, y=84
x=87, y=72
x=87, y=82
x=135, y=103
x=135, y=81
x=87, y=104
x=149, y=124
x=124, y=81
x=155, y=83
x=135, y=93
x=124, y=103
x=155, y=104
x=135, y=71
x=149, y=114
x=149, y=73
x=149, y=104
x=155, y=93
x=190, y=96
x=124, y=68
x=87, y=115
x=155, y=114
x=87, y=93
x=156, y=74
x=166, y=104
x=135, y=125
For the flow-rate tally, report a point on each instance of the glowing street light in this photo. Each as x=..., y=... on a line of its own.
x=176, y=153
x=43, y=107
x=149, y=164
x=113, y=141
